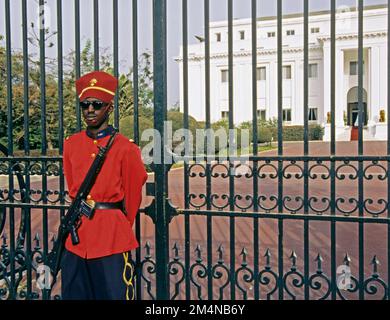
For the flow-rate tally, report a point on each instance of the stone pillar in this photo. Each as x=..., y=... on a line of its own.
x=374, y=83
x=326, y=61
x=341, y=94
x=273, y=92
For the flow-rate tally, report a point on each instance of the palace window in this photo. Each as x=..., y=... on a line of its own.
x=353, y=68
x=242, y=35
x=225, y=114
x=224, y=76
x=261, y=114
x=260, y=74
x=271, y=34
x=218, y=37
x=313, y=114
x=315, y=30
x=313, y=70
x=286, y=72
x=290, y=32
x=286, y=115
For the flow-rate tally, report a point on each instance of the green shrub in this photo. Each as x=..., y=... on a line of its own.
x=316, y=132
x=264, y=135
x=224, y=125
x=220, y=124
x=201, y=124
x=177, y=119
x=295, y=133
x=126, y=126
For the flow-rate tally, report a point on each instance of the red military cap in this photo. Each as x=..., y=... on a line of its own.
x=97, y=84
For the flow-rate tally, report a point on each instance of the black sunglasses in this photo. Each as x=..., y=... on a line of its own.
x=97, y=105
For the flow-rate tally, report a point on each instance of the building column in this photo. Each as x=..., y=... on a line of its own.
x=326, y=91
x=374, y=83
x=273, y=92
x=297, y=93
x=341, y=94
x=383, y=77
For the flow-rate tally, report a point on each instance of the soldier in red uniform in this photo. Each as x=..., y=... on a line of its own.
x=99, y=267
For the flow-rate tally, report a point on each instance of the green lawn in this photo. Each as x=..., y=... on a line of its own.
x=245, y=151
x=248, y=150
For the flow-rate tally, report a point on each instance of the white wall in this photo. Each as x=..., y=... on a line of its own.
x=375, y=56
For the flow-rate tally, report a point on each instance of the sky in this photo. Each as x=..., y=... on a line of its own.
x=218, y=11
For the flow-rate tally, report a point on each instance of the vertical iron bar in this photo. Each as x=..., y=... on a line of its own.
x=136, y=131
x=388, y=148
x=26, y=129
x=333, y=146
x=208, y=170
x=360, y=149
x=306, y=143
x=42, y=73
x=60, y=76
x=160, y=109
x=96, y=33
x=255, y=149
x=42, y=78
x=116, y=67
x=231, y=141
x=186, y=170
x=10, y=145
x=135, y=71
x=77, y=60
x=280, y=146
x=9, y=76
x=280, y=92
x=60, y=102
x=207, y=60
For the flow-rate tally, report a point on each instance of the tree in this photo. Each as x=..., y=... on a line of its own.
x=125, y=89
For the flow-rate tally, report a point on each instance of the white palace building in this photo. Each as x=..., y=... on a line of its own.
x=346, y=95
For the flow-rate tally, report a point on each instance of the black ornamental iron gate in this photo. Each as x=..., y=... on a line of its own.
x=278, y=226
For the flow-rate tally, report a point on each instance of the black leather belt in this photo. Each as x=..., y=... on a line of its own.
x=109, y=205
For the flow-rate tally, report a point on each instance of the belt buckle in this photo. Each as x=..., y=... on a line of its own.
x=91, y=203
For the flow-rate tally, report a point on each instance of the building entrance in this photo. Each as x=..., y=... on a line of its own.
x=353, y=114
x=353, y=107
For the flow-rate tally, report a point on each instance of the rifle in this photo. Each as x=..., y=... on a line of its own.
x=71, y=221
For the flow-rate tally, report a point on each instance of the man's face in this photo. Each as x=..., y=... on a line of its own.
x=95, y=112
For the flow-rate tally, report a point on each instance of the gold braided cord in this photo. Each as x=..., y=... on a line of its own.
x=128, y=281
x=97, y=88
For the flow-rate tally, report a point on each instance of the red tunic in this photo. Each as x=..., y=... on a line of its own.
x=121, y=177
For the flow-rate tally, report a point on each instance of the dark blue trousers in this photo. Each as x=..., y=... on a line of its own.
x=96, y=279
